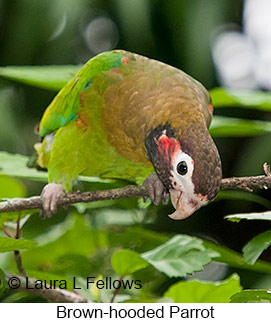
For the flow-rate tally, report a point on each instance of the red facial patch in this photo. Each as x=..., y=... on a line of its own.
x=168, y=147
x=211, y=109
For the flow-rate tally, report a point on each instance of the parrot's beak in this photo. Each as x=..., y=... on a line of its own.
x=184, y=205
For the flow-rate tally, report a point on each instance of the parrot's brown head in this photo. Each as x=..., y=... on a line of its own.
x=188, y=164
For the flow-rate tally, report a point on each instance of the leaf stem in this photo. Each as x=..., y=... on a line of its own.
x=116, y=291
x=17, y=254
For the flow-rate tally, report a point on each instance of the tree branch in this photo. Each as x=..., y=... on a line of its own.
x=34, y=202
x=55, y=295
x=248, y=183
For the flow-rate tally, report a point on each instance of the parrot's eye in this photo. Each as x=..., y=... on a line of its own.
x=182, y=168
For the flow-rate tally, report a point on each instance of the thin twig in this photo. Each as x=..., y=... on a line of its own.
x=242, y=183
x=116, y=290
x=246, y=183
x=56, y=295
x=17, y=254
x=6, y=232
x=19, y=264
x=17, y=235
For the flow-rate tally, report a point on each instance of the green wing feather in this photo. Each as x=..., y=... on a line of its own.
x=65, y=106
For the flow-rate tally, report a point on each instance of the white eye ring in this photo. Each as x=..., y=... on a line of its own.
x=183, y=167
x=183, y=183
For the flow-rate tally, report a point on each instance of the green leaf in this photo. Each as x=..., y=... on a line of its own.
x=252, y=295
x=9, y=244
x=47, y=77
x=115, y=216
x=16, y=165
x=126, y=262
x=223, y=97
x=3, y=283
x=22, y=297
x=68, y=250
x=256, y=246
x=10, y=187
x=142, y=300
x=235, y=259
x=238, y=195
x=196, y=291
x=13, y=216
x=180, y=256
x=236, y=127
x=141, y=239
x=249, y=216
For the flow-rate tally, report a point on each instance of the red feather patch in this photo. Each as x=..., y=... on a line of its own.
x=124, y=60
x=168, y=147
x=81, y=123
x=115, y=70
x=211, y=109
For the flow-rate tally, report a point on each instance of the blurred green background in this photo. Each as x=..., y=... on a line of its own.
x=180, y=33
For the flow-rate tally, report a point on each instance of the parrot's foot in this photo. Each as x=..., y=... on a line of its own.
x=50, y=196
x=156, y=189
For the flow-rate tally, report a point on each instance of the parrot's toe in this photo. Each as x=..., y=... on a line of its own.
x=50, y=196
x=156, y=189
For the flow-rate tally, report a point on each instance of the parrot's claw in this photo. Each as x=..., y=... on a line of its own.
x=50, y=196
x=156, y=189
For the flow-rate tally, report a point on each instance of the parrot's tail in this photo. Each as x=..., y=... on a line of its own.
x=33, y=162
x=41, y=155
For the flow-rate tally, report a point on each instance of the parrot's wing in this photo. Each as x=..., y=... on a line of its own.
x=80, y=144
x=65, y=106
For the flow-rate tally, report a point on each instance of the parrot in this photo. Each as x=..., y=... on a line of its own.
x=126, y=116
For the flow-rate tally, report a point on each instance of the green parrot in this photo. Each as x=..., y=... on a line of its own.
x=125, y=116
